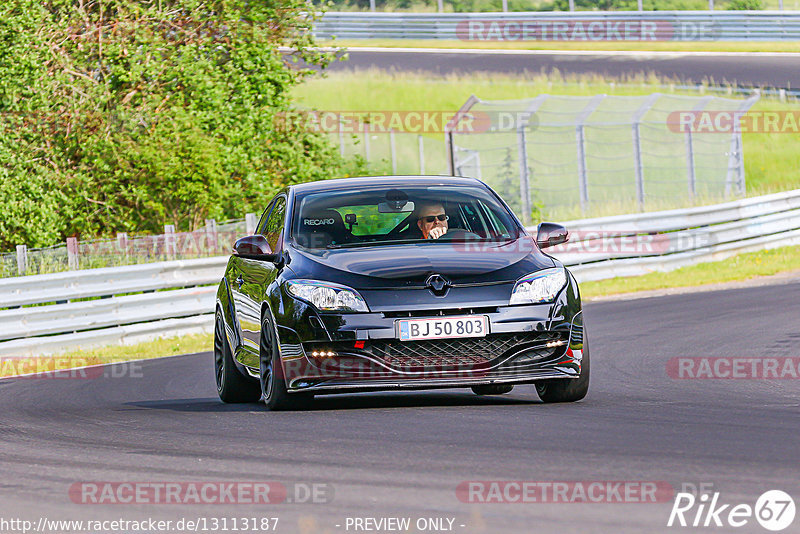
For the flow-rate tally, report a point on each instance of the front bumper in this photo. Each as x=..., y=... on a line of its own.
x=525, y=344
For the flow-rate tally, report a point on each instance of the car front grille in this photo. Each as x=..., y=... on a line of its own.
x=455, y=353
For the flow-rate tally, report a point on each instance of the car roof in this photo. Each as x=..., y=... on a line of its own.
x=399, y=181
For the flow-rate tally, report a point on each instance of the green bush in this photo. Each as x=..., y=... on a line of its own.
x=747, y=5
x=124, y=115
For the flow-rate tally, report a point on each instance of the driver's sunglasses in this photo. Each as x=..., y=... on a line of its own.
x=430, y=218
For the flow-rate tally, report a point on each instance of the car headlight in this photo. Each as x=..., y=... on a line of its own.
x=539, y=287
x=327, y=296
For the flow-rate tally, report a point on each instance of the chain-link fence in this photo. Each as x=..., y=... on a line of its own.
x=211, y=240
x=577, y=156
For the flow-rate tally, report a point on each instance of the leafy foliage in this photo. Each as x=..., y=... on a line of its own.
x=120, y=115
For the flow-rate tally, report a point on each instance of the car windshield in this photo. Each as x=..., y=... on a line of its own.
x=396, y=215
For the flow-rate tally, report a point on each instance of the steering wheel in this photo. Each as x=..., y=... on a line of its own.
x=459, y=233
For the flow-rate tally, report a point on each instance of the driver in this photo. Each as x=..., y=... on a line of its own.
x=432, y=220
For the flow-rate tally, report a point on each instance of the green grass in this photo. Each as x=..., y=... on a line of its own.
x=741, y=267
x=105, y=355
x=771, y=160
x=654, y=46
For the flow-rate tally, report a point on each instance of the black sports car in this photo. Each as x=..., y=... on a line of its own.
x=379, y=283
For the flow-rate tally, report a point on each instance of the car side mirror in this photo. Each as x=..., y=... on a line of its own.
x=254, y=247
x=549, y=234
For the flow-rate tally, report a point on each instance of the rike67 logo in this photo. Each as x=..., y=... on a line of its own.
x=774, y=510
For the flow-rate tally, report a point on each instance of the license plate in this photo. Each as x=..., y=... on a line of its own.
x=442, y=327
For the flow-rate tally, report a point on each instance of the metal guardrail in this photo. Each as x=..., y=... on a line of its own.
x=178, y=296
x=632, y=245
x=537, y=26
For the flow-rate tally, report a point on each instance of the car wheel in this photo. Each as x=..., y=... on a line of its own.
x=567, y=389
x=232, y=386
x=492, y=389
x=273, y=384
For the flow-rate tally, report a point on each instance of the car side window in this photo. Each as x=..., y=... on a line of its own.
x=262, y=222
x=274, y=227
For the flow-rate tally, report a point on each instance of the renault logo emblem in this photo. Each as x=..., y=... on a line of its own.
x=438, y=284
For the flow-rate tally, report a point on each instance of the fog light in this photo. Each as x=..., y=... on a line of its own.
x=554, y=344
x=323, y=354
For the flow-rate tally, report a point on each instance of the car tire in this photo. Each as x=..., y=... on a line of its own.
x=567, y=389
x=273, y=384
x=492, y=389
x=232, y=386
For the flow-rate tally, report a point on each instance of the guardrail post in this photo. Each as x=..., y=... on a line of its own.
x=72, y=253
x=421, y=144
x=250, y=223
x=505, y=6
x=169, y=241
x=393, y=150
x=22, y=259
x=572, y=5
x=211, y=236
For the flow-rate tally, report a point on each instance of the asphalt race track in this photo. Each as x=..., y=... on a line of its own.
x=758, y=70
x=404, y=454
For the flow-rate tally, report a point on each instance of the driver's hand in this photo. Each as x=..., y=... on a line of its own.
x=437, y=232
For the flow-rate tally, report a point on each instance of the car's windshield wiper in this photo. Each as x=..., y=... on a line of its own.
x=417, y=240
x=370, y=243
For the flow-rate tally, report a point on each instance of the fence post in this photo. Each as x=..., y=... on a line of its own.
x=22, y=259
x=169, y=241
x=211, y=236
x=341, y=138
x=638, y=166
x=250, y=223
x=524, y=180
x=440, y=6
x=451, y=125
x=505, y=6
x=583, y=173
x=735, y=175
x=690, y=169
x=366, y=141
x=637, y=147
x=421, y=144
x=690, y=162
x=572, y=5
x=122, y=245
x=72, y=253
x=393, y=150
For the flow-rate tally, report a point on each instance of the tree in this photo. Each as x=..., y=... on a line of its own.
x=121, y=115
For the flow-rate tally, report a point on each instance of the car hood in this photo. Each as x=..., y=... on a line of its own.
x=411, y=265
